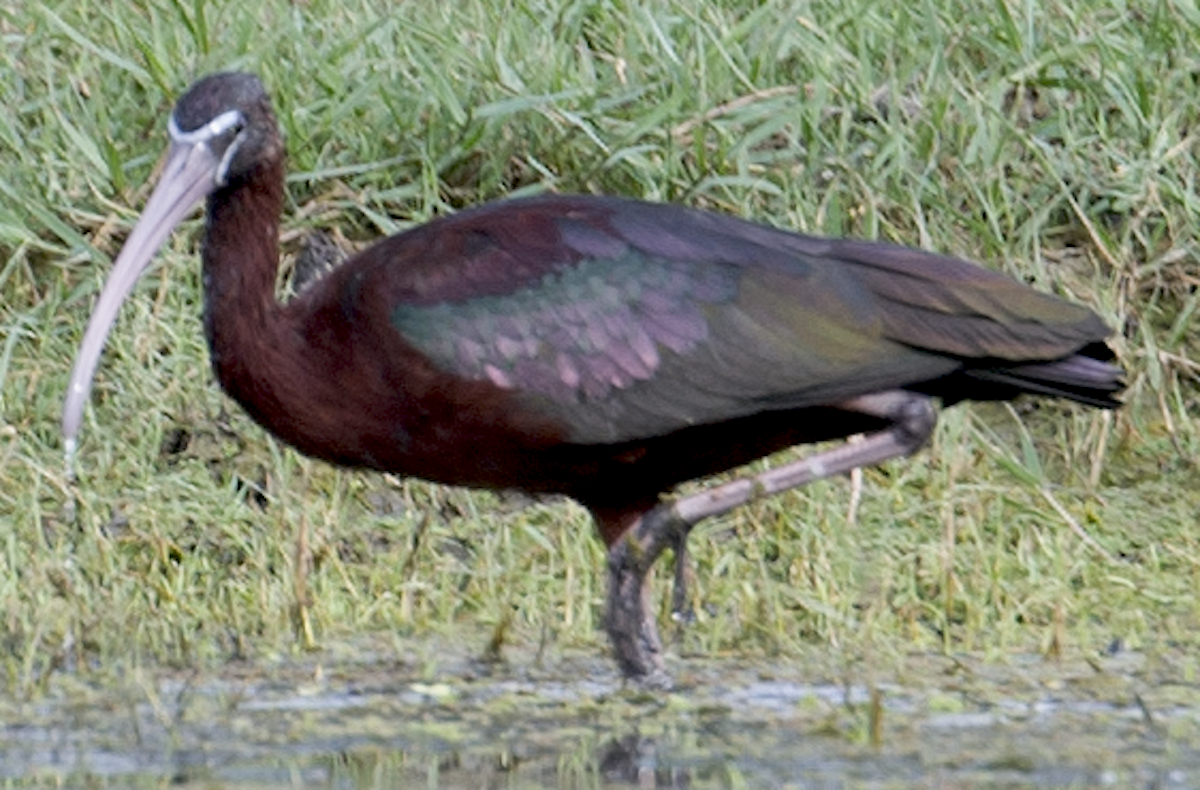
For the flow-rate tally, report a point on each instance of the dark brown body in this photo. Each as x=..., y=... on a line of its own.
x=329, y=374
x=344, y=387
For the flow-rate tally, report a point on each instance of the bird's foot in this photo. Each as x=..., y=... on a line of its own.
x=629, y=621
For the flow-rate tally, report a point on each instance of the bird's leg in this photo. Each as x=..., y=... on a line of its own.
x=912, y=418
x=681, y=608
x=630, y=625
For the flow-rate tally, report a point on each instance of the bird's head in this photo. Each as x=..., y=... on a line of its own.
x=226, y=120
x=222, y=130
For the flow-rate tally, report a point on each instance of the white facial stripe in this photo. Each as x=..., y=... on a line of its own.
x=214, y=128
x=201, y=137
x=223, y=167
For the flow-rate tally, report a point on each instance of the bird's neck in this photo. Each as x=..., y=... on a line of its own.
x=240, y=262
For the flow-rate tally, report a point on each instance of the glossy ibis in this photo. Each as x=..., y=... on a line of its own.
x=600, y=348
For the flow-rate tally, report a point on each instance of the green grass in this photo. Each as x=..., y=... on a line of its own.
x=1058, y=145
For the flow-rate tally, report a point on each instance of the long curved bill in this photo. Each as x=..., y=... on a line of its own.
x=189, y=175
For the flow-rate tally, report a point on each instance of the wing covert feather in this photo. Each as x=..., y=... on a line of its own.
x=626, y=320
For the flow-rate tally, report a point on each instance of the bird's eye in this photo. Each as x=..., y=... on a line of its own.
x=228, y=122
x=234, y=129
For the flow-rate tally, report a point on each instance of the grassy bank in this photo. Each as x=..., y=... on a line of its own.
x=1056, y=145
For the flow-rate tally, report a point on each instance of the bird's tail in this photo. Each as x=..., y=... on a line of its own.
x=1087, y=377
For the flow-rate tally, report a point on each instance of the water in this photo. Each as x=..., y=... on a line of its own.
x=445, y=721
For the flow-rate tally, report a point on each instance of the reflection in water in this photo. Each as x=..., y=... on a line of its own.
x=633, y=760
x=628, y=761
x=1028, y=724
